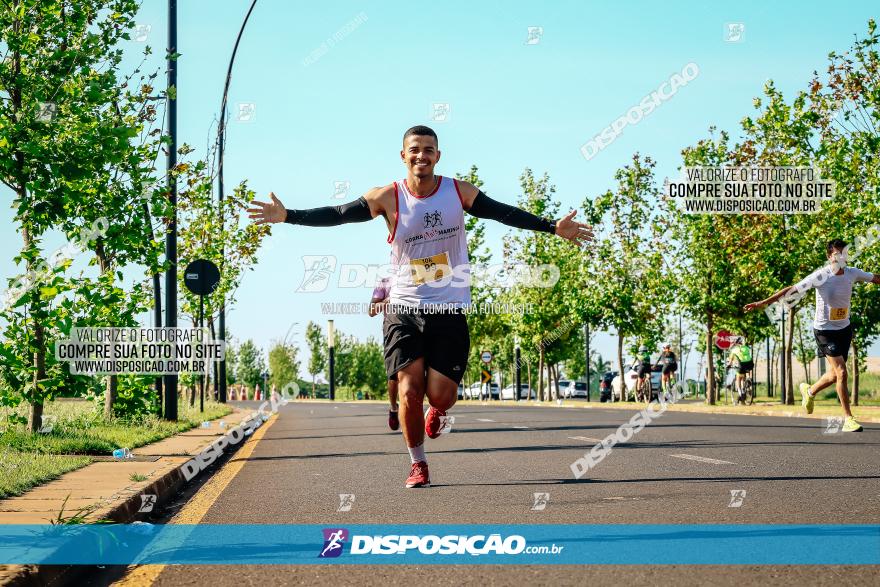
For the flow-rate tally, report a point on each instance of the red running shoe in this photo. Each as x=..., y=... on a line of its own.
x=418, y=477
x=393, y=420
x=433, y=423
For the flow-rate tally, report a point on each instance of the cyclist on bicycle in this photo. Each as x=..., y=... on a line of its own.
x=742, y=354
x=642, y=367
x=670, y=366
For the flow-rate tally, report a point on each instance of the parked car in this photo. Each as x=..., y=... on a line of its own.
x=461, y=390
x=507, y=392
x=473, y=392
x=573, y=389
x=605, y=385
x=630, y=376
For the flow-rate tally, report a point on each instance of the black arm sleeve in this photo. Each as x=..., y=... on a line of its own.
x=357, y=211
x=486, y=207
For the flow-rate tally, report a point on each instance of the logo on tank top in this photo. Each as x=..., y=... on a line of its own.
x=433, y=219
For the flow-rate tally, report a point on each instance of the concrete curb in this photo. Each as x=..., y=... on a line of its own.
x=127, y=510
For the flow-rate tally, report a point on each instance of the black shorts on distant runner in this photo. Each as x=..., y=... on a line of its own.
x=441, y=338
x=746, y=367
x=643, y=369
x=670, y=368
x=834, y=343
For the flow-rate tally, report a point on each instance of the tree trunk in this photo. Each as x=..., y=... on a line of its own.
x=789, y=368
x=620, y=369
x=216, y=364
x=855, y=382
x=710, y=367
x=529, y=377
x=35, y=416
x=112, y=381
x=157, y=304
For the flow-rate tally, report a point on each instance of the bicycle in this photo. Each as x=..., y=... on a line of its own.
x=643, y=389
x=746, y=395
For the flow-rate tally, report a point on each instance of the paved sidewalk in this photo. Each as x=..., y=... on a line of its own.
x=105, y=485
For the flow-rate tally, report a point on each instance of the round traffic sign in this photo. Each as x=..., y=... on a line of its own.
x=201, y=277
x=486, y=356
x=724, y=339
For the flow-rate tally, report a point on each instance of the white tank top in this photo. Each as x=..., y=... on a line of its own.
x=429, y=247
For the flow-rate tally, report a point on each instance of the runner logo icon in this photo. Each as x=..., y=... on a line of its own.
x=333, y=540
x=433, y=219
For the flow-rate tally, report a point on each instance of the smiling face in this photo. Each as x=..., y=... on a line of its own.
x=420, y=154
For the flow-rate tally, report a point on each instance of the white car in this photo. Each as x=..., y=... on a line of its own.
x=507, y=392
x=473, y=392
x=573, y=389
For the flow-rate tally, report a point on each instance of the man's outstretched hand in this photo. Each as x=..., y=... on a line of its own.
x=575, y=232
x=753, y=306
x=268, y=213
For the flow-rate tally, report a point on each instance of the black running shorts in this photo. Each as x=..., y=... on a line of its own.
x=834, y=343
x=670, y=368
x=441, y=338
x=746, y=367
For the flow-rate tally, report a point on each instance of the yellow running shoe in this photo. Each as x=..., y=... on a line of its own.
x=850, y=425
x=806, y=398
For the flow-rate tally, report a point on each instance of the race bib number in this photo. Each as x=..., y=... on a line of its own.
x=838, y=313
x=430, y=269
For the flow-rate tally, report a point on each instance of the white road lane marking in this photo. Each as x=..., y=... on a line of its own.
x=584, y=438
x=521, y=427
x=484, y=420
x=702, y=459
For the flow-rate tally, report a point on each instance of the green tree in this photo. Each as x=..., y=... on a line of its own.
x=250, y=366
x=632, y=286
x=283, y=364
x=317, y=351
x=67, y=126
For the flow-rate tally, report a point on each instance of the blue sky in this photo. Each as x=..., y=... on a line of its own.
x=512, y=105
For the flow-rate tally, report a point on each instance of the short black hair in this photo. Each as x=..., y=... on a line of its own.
x=421, y=131
x=835, y=245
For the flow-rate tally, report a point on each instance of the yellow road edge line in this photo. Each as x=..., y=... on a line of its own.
x=196, y=508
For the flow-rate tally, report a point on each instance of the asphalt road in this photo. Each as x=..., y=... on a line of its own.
x=680, y=469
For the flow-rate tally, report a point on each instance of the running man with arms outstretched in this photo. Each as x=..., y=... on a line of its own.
x=834, y=285
x=426, y=335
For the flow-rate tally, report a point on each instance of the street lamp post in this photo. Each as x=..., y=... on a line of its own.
x=221, y=141
x=516, y=351
x=331, y=360
x=171, y=235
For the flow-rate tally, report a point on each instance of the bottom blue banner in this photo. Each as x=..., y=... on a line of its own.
x=278, y=544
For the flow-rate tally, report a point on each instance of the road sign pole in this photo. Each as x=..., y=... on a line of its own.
x=202, y=376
